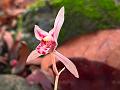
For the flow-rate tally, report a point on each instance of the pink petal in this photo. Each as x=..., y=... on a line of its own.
x=39, y=33
x=36, y=61
x=58, y=24
x=33, y=55
x=69, y=65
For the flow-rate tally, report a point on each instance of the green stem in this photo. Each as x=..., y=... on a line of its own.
x=20, y=23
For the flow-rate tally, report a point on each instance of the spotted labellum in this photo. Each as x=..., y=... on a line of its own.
x=48, y=45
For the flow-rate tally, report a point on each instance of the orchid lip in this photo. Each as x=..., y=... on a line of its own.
x=47, y=45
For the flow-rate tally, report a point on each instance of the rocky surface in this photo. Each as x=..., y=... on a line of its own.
x=13, y=82
x=102, y=46
x=93, y=76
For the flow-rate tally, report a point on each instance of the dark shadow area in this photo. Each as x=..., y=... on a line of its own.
x=93, y=76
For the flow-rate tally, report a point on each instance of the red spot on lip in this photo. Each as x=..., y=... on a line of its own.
x=38, y=51
x=45, y=48
x=43, y=52
x=38, y=47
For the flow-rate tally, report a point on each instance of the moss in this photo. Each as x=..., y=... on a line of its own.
x=81, y=16
x=84, y=16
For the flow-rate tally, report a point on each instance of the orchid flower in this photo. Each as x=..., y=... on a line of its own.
x=48, y=45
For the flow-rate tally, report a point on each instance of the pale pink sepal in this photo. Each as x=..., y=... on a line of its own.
x=36, y=61
x=39, y=33
x=58, y=23
x=33, y=55
x=68, y=64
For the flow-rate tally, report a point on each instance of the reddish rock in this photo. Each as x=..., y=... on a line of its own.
x=13, y=82
x=93, y=76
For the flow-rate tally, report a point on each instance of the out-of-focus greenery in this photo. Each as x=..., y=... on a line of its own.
x=81, y=16
x=36, y=5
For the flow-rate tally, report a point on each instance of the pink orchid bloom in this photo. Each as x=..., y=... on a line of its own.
x=48, y=44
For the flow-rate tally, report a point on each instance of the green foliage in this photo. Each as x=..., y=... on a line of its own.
x=36, y=5
x=83, y=16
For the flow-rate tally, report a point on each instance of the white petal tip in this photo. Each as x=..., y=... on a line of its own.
x=77, y=76
x=63, y=8
x=76, y=73
x=27, y=61
x=36, y=26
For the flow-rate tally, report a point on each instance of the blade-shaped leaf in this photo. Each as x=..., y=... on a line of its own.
x=39, y=33
x=69, y=65
x=8, y=39
x=58, y=24
x=20, y=52
x=33, y=55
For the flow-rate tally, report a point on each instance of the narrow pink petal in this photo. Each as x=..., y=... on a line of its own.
x=58, y=23
x=39, y=33
x=69, y=65
x=33, y=55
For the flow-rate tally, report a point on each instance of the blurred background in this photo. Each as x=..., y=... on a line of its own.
x=82, y=17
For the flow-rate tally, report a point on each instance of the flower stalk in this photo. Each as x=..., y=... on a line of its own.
x=57, y=74
x=57, y=79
